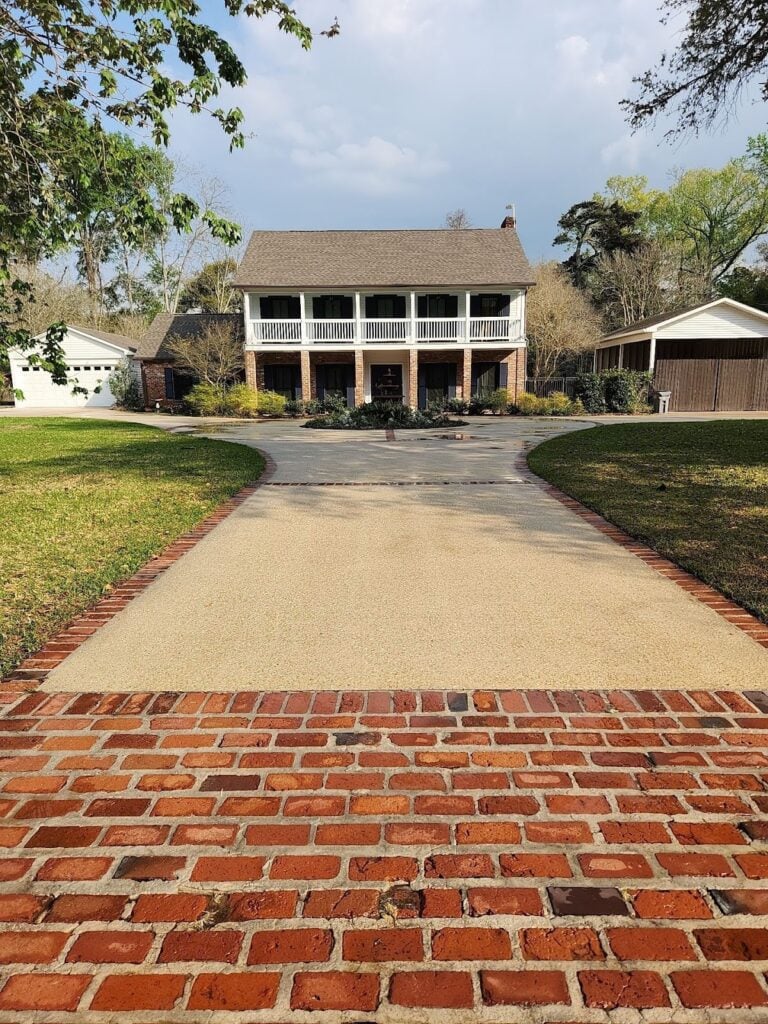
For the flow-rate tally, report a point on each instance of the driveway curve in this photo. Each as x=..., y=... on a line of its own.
x=420, y=562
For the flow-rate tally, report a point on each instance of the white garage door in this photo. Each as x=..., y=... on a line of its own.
x=40, y=391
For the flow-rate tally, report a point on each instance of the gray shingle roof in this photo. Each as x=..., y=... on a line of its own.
x=384, y=259
x=181, y=325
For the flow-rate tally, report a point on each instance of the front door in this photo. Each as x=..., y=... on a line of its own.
x=387, y=382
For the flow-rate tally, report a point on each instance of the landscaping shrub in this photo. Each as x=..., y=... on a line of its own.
x=241, y=400
x=207, y=400
x=559, y=404
x=620, y=391
x=556, y=404
x=270, y=403
x=457, y=405
x=124, y=385
x=477, y=405
x=527, y=405
x=498, y=400
x=590, y=392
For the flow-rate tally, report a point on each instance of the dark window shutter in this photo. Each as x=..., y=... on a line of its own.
x=422, y=305
x=265, y=306
x=294, y=307
x=371, y=306
x=474, y=305
x=347, y=307
x=269, y=378
x=399, y=306
x=451, y=305
x=503, y=306
x=320, y=382
x=170, y=391
x=318, y=308
x=503, y=375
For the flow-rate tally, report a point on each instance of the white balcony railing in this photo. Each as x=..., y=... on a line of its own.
x=493, y=328
x=437, y=329
x=385, y=329
x=276, y=330
x=424, y=329
x=330, y=330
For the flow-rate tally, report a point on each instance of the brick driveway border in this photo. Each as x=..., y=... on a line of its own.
x=506, y=856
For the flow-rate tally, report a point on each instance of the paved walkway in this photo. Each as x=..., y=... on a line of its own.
x=431, y=562
x=384, y=858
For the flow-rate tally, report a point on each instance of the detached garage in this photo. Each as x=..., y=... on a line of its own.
x=91, y=356
x=713, y=358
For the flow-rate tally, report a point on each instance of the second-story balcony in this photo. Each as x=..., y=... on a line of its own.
x=389, y=330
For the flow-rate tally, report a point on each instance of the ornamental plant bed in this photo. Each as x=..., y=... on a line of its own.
x=383, y=416
x=84, y=503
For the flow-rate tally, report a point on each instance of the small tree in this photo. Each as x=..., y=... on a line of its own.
x=211, y=288
x=630, y=286
x=124, y=385
x=457, y=219
x=214, y=356
x=561, y=321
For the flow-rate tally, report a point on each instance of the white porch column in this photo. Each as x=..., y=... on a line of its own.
x=247, y=316
x=652, y=355
x=466, y=317
x=412, y=339
x=358, y=328
x=303, y=315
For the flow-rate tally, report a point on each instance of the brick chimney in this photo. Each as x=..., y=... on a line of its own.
x=509, y=221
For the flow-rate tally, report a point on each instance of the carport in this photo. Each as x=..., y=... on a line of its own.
x=713, y=357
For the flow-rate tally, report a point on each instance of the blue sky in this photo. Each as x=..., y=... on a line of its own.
x=421, y=106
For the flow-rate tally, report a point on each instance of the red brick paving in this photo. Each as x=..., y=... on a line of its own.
x=384, y=857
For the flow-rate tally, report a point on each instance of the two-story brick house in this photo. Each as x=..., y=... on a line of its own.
x=411, y=316
x=415, y=316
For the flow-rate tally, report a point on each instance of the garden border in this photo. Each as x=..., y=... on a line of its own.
x=33, y=671
x=704, y=593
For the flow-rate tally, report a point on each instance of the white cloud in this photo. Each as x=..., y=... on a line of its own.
x=375, y=167
x=573, y=49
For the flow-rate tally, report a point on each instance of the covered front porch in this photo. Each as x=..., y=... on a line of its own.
x=412, y=376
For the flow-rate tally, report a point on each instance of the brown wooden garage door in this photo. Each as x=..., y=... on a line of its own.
x=714, y=376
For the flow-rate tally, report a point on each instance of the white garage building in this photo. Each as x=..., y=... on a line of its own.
x=91, y=356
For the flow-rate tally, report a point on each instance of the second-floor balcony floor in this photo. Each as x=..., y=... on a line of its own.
x=411, y=318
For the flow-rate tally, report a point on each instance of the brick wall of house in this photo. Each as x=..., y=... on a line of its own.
x=153, y=386
x=359, y=378
x=250, y=370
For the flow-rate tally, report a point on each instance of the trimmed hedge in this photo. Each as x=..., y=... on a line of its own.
x=620, y=391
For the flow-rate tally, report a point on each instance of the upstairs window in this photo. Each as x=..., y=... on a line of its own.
x=438, y=307
x=333, y=307
x=280, y=307
x=489, y=305
x=385, y=307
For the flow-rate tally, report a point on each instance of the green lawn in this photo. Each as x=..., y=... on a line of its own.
x=696, y=492
x=83, y=503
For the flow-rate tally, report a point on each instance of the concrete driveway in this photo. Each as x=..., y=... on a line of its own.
x=431, y=565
